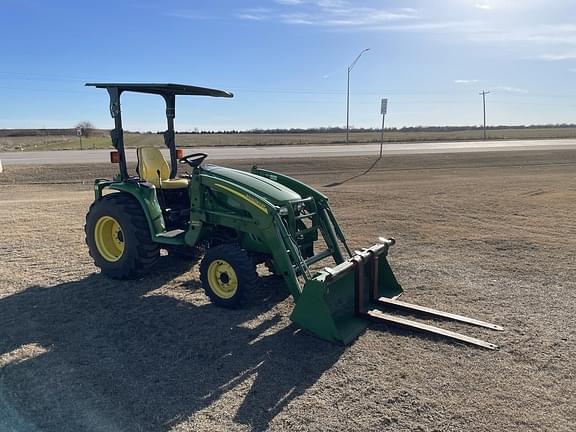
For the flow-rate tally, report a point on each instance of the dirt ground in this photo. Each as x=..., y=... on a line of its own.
x=489, y=235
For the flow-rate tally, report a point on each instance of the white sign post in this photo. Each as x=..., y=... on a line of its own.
x=383, y=111
x=79, y=135
x=384, y=107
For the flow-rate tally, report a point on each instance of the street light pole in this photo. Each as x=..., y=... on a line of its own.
x=348, y=94
x=483, y=94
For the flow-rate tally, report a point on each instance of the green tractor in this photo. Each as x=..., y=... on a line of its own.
x=238, y=220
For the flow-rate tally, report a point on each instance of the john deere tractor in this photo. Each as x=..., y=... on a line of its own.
x=237, y=220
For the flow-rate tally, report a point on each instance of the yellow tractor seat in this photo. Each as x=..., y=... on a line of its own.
x=153, y=168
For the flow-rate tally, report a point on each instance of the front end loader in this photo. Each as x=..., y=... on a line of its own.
x=238, y=220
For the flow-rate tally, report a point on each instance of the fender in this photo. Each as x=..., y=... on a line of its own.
x=145, y=193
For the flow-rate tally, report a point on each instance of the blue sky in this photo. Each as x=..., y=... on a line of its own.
x=286, y=61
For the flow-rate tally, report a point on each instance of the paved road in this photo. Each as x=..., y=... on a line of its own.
x=296, y=151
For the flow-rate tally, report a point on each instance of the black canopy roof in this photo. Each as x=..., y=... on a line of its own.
x=164, y=89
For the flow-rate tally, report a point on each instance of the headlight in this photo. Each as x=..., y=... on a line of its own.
x=283, y=211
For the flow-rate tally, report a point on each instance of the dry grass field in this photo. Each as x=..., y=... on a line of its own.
x=489, y=235
x=264, y=139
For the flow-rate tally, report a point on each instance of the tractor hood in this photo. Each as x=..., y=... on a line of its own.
x=270, y=190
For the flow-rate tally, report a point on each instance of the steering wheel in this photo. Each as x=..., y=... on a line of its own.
x=194, y=159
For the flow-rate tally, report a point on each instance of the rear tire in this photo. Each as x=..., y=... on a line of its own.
x=227, y=273
x=118, y=237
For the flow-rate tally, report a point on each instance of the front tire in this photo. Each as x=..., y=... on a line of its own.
x=118, y=237
x=227, y=273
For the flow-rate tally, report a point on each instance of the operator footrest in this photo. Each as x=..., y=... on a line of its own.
x=175, y=237
x=171, y=234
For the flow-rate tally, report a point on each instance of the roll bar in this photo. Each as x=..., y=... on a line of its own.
x=168, y=92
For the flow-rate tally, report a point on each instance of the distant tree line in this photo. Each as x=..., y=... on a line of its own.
x=12, y=133
x=336, y=129
x=89, y=130
x=35, y=132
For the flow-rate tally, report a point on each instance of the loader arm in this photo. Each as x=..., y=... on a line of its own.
x=262, y=222
x=330, y=226
x=337, y=303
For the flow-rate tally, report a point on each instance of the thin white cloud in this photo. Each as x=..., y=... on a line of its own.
x=459, y=27
x=191, y=15
x=255, y=14
x=359, y=19
x=465, y=81
x=329, y=13
x=558, y=56
x=483, y=6
x=251, y=17
x=289, y=2
x=542, y=34
x=300, y=19
x=327, y=4
x=510, y=89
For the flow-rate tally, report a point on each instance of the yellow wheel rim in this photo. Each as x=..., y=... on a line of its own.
x=222, y=279
x=109, y=238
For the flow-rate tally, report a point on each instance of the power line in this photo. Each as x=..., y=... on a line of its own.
x=27, y=76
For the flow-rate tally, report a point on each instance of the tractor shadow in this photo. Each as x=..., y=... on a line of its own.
x=363, y=173
x=113, y=356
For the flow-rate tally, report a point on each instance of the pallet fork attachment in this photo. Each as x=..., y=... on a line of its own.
x=334, y=310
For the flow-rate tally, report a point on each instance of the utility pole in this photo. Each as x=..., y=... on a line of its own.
x=483, y=94
x=348, y=95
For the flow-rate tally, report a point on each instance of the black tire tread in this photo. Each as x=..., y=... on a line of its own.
x=243, y=266
x=147, y=252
